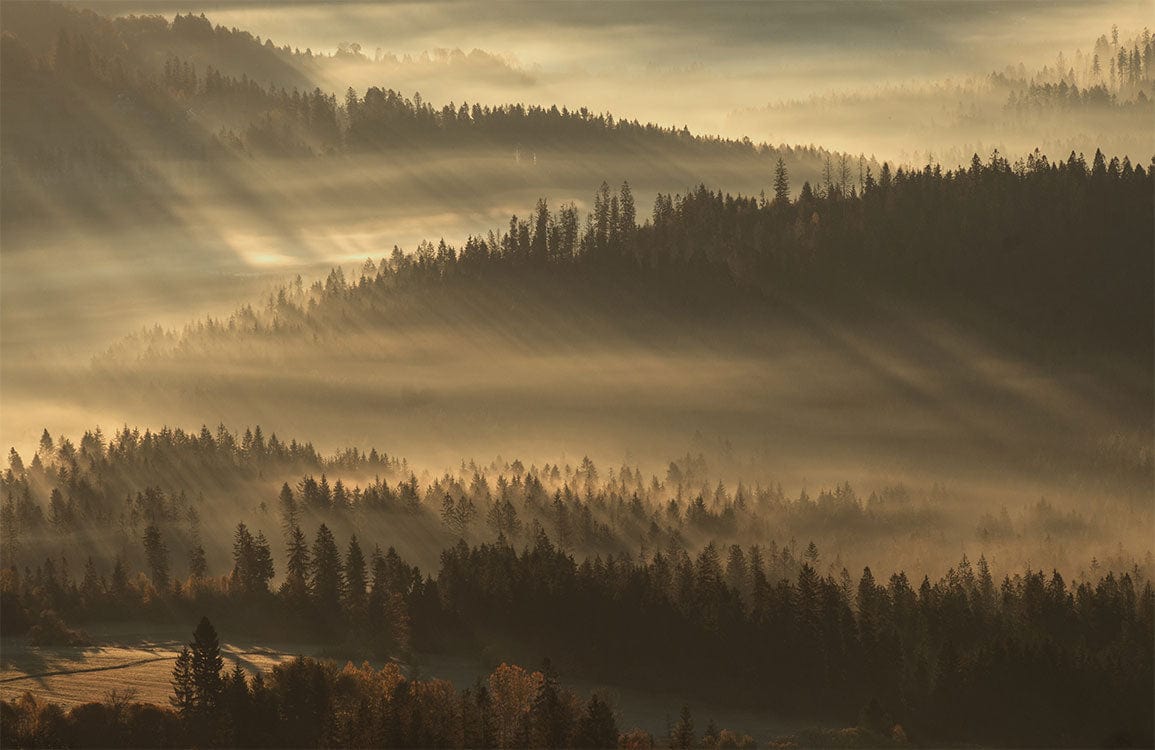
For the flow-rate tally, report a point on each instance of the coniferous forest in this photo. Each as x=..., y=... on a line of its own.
x=621, y=375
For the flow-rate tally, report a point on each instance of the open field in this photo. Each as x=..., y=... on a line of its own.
x=73, y=675
x=134, y=658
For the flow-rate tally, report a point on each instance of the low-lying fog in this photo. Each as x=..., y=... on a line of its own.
x=72, y=286
x=548, y=375
x=556, y=369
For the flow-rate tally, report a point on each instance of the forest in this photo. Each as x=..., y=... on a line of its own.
x=980, y=236
x=742, y=294
x=169, y=125
x=622, y=375
x=578, y=576
x=1107, y=90
x=755, y=626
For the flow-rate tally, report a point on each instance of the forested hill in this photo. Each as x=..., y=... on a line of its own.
x=91, y=102
x=1053, y=255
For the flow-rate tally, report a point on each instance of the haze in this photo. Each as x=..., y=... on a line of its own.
x=706, y=65
x=559, y=317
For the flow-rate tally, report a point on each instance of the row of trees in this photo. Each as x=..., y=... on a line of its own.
x=257, y=97
x=1041, y=660
x=86, y=498
x=932, y=655
x=127, y=480
x=1127, y=67
x=308, y=703
x=1120, y=67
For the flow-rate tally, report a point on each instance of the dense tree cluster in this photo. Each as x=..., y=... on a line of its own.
x=142, y=503
x=921, y=653
x=1044, y=251
x=1041, y=96
x=168, y=503
x=582, y=571
x=577, y=563
x=1039, y=659
x=1116, y=72
x=1125, y=66
x=135, y=478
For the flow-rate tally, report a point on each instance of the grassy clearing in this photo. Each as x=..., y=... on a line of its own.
x=70, y=675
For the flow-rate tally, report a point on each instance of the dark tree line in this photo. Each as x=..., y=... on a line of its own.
x=179, y=531
x=183, y=533
x=1046, y=253
x=253, y=98
x=1029, y=659
x=1037, y=660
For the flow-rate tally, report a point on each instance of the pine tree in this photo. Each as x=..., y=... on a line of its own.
x=325, y=583
x=237, y=702
x=156, y=554
x=827, y=178
x=549, y=716
x=290, y=512
x=15, y=463
x=252, y=562
x=197, y=564
x=262, y=563
x=183, y=694
x=119, y=582
x=355, y=579
x=781, y=183
x=206, y=666
x=539, y=245
x=90, y=587
x=598, y=726
x=710, y=738
x=683, y=735
x=295, y=587
x=627, y=217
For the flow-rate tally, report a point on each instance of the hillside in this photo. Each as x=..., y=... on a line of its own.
x=824, y=324
x=169, y=113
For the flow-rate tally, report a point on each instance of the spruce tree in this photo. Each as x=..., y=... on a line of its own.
x=290, y=511
x=781, y=183
x=183, y=694
x=156, y=554
x=355, y=579
x=598, y=726
x=197, y=564
x=295, y=588
x=683, y=735
x=326, y=584
x=238, y=705
x=206, y=665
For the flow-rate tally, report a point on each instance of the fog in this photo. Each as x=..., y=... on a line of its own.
x=438, y=336
x=552, y=372
x=708, y=66
x=794, y=394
